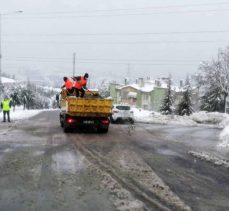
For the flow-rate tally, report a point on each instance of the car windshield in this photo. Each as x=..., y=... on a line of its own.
x=126, y=108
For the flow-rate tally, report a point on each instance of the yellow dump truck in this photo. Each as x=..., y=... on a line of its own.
x=91, y=111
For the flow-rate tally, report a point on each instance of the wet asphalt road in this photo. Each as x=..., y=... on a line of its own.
x=41, y=168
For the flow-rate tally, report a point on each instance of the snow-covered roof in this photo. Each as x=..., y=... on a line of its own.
x=132, y=94
x=150, y=85
x=147, y=88
x=135, y=86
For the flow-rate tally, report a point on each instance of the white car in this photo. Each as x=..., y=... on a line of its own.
x=122, y=113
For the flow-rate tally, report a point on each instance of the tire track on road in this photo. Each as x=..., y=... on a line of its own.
x=147, y=196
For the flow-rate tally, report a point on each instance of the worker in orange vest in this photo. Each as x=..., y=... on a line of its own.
x=80, y=84
x=68, y=84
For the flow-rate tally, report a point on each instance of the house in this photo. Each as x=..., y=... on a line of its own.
x=143, y=94
x=148, y=94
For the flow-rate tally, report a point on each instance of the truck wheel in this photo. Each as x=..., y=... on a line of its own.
x=66, y=129
x=61, y=121
x=102, y=130
x=131, y=121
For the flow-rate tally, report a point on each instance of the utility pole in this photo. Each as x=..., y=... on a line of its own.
x=74, y=64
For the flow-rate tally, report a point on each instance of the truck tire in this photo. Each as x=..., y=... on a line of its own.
x=66, y=129
x=102, y=130
x=61, y=123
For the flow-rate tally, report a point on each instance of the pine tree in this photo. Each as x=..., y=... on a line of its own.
x=185, y=106
x=213, y=100
x=166, y=107
x=15, y=96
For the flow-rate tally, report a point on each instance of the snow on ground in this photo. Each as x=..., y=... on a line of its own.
x=224, y=137
x=200, y=118
x=207, y=119
x=19, y=114
x=210, y=158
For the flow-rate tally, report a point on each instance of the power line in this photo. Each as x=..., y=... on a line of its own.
x=108, y=63
x=102, y=59
x=124, y=43
x=122, y=34
x=123, y=14
x=137, y=8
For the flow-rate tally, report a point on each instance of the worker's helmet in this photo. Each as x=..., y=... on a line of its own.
x=86, y=75
x=65, y=78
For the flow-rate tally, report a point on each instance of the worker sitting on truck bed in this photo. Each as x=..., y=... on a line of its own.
x=68, y=85
x=80, y=84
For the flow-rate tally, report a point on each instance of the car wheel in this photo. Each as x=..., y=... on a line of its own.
x=131, y=121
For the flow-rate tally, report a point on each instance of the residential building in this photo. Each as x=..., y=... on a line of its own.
x=147, y=94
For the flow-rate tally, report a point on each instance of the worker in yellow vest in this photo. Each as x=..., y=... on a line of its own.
x=5, y=106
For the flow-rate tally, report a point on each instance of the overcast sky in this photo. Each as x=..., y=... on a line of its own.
x=112, y=38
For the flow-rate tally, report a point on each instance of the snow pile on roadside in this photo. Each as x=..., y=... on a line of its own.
x=19, y=114
x=211, y=118
x=204, y=117
x=224, y=137
x=210, y=158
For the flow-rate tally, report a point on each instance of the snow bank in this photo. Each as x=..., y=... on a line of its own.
x=204, y=117
x=224, y=137
x=19, y=114
x=210, y=119
x=210, y=158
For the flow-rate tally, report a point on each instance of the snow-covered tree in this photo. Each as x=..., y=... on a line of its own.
x=185, y=105
x=28, y=98
x=15, y=96
x=166, y=107
x=103, y=89
x=216, y=75
x=212, y=100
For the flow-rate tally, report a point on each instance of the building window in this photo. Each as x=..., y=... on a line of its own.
x=146, y=98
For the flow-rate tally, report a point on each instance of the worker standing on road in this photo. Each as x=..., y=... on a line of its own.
x=68, y=85
x=80, y=84
x=5, y=106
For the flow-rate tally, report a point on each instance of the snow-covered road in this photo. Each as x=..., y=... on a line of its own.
x=155, y=167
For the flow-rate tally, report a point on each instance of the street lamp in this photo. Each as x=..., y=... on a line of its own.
x=3, y=14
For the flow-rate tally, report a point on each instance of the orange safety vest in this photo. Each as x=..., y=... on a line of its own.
x=82, y=82
x=68, y=84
